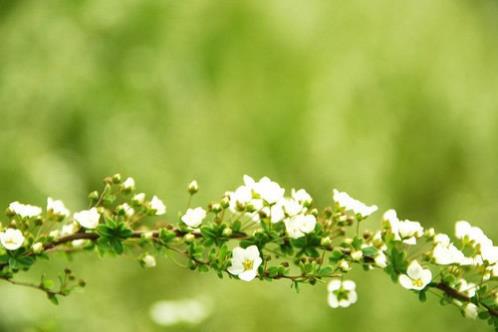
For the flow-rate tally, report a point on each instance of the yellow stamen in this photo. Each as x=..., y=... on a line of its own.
x=248, y=264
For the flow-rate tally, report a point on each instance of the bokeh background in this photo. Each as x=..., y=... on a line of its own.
x=394, y=102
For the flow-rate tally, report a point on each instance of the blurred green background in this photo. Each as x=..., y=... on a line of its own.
x=394, y=102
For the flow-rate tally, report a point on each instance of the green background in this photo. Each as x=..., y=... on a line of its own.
x=394, y=102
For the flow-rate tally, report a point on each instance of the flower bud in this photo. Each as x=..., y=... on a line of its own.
x=148, y=235
x=189, y=237
x=54, y=234
x=93, y=196
x=216, y=207
x=325, y=242
x=227, y=232
x=149, y=261
x=225, y=202
x=37, y=247
x=116, y=178
x=430, y=233
x=344, y=265
x=193, y=187
x=356, y=255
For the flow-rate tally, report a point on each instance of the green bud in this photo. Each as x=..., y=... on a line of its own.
x=193, y=187
x=116, y=178
x=93, y=196
x=227, y=232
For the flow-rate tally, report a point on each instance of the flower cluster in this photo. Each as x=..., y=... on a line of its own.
x=259, y=231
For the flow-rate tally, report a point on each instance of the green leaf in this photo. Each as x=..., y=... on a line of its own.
x=369, y=251
x=53, y=298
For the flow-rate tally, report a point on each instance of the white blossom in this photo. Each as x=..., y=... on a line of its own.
x=300, y=225
x=301, y=196
x=416, y=277
x=465, y=231
x=447, y=254
x=87, y=218
x=25, y=210
x=70, y=229
x=138, y=198
x=350, y=204
x=12, y=239
x=403, y=230
x=128, y=184
x=380, y=259
x=467, y=288
x=194, y=217
x=158, y=206
x=57, y=208
x=126, y=209
x=341, y=293
x=245, y=262
x=268, y=190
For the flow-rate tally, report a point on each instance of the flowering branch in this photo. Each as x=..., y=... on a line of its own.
x=256, y=231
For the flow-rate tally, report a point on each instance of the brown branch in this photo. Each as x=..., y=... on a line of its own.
x=453, y=293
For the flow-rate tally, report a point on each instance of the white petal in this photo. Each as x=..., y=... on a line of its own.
x=426, y=276
x=334, y=284
x=252, y=252
x=332, y=300
x=405, y=281
x=348, y=285
x=247, y=275
x=414, y=270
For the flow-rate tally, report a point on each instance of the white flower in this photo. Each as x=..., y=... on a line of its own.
x=194, y=217
x=245, y=262
x=25, y=210
x=57, y=208
x=489, y=254
x=467, y=288
x=380, y=259
x=406, y=230
x=350, y=204
x=446, y=254
x=277, y=213
x=37, y=247
x=128, y=184
x=465, y=231
x=126, y=209
x=87, y=218
x=470, y=310
x=240, y=198
x=138, y=198
x=341, y=293
x=12, y=239
x=292, y=207
x=269, y=191
x=69, y=229
x=301, y=196
x=158, y=206
x=149, y=261
x=416, y=277
x=300, y=225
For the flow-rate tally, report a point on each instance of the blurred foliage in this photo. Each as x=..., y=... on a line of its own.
x=394, y=102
